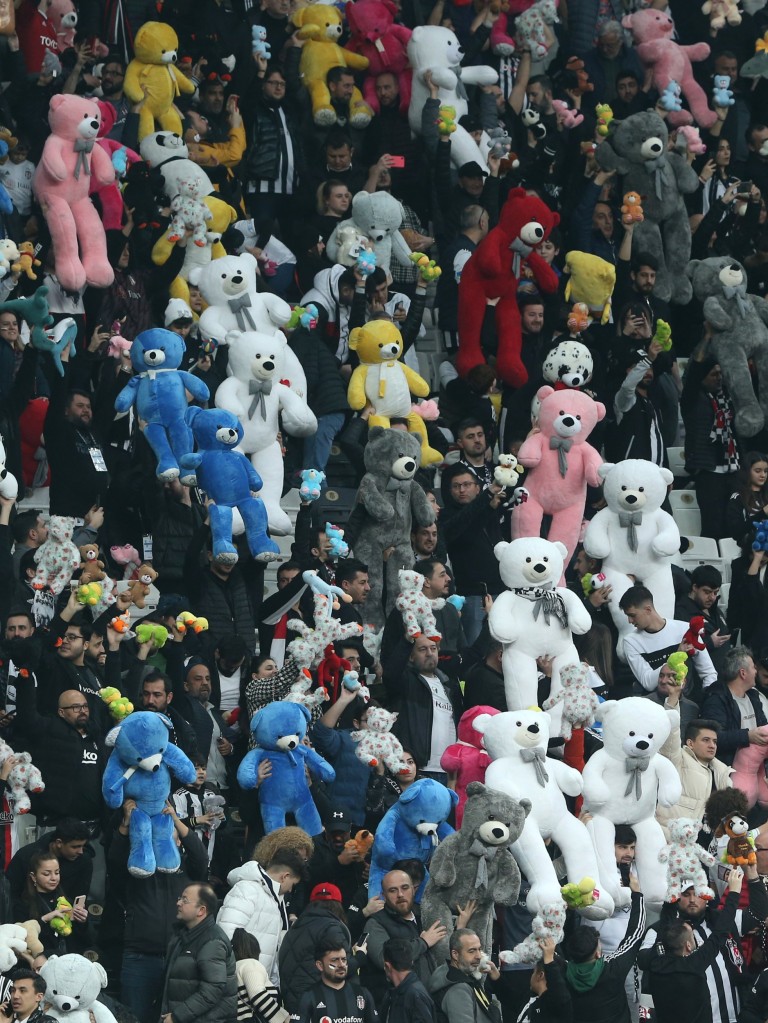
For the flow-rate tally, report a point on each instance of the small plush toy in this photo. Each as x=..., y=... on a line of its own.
x=312, y=481
x=446, y=121
x=73, y=985
x=62, y=925
x=128, y=557
x=230, y=481
x=23, y=777
x=146, y=631
x=593, y=581
x=117, y=345
x=92, y=570
x=567, y=117
x=720, y=12
x=722, y=94
x=475, y=864
x=689, y=136
x=579, y=318
x=89, y=594
x=303, y=316
x=604, y=115
x=366, y=262
x=569, y=364
x=9, y=254
x=140, y=588
x=186, y=620
x=580, y=896
x=760, y=543
x=580, y=704
x=631, y=209
x=576, y=80
x=411, y=829
x=320, y=587
x=121, y=623
x=740, y=850
x=189, y=213
x=670, y=100
x=140, y=768
x=119, y=706
x=467, y=759
x=278, y=730
x=338, y=548
x=361, y=842
x=351, y=681
x=532, y=27
x=153, y=80
x=591, y=281
x=684, y=859
x=501, y=146
x=508, y=472
x=547, y=923
x=376, y=744
x=302, y=692
x=259, y=45
x=663, y=335
x=678, y=662
x=415, y=608
x=695, y=632
x=427, y=268
x=58, y=557
x=158, y=390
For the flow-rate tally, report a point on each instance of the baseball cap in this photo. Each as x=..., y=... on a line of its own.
x=472, y=170
x=325, y=893
x=470, y=123
x=337, y=820
x=177, y=309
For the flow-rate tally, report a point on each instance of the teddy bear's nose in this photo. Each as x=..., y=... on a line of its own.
x=541, y=569
x=642, y=744
x=237, y=278
x=269, y=365
x=409, y=466
x=567, y=420
x=534, y=729
x=735, y=268
x=95, y=125
x=630, y=499
x=498, y=832
x=292, y=744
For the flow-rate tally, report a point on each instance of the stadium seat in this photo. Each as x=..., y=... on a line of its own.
x=685, y=512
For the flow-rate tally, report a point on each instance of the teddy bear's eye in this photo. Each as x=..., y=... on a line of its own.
x=527, y=561
x=545, y=559
x=623, y=488
x=562, y=412
x=579, y=418
x=631, y=733
x=223, y=277
x=641, y=489
x=138, y=759
x=650, y=735
x=519, y=724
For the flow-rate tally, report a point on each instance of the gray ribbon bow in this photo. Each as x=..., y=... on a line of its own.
x=628, y=521
x=520, y=250
x=259, y=388
x=739, y=292
x=82, y=146
x=561, y=445
x=240, y=306
x=634, y=767
x=461, y=89
x=484, y=854
x=656, y=166
x=536, y=757
x=393, y=484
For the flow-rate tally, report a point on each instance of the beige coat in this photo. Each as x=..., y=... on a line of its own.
x=696, y=780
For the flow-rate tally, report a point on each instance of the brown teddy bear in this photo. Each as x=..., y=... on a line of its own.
x=92, y=568
x=139, y=588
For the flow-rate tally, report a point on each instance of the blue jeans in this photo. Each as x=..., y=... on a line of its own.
x=317, y=448
x=141, y=985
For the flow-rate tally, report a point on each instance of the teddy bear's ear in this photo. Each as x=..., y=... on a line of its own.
x=298, y=17
x=605, y=468
x=544, y=392
x=626, y=22
x=607, y=708
x=481, y=721
x=600, y=410
x=666, y=475
x=355, y=337
x=454, y=796
x=561, y=549
x=498, y=550
x=191, y=414
x=475, y=788
x=101, y=973
x=691, y=268
x=166, y=721
x=525, y=806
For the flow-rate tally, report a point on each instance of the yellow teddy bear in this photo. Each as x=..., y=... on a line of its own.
x=387, y=384
x=320, y=25
x=152, y=76
x=592, y=282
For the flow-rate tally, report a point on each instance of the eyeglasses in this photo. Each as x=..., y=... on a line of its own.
x=464, y=486
x=72, y=636
x=184, y=901
x=276, y=82
x=75, y=706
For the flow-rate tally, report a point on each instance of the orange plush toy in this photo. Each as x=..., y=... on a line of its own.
x=632, y=210
x=361, y=843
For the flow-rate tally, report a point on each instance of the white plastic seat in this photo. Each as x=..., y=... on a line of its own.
x=729, y=551
x=676, y=457
x=725, y=593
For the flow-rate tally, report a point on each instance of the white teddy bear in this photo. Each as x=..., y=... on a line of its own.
x=684, y=858
x=13, y=939
x=58, y=557
x=9, y=253
x=516, y=742
x=534, y=617
x=635, y=539
x=530, y=26
x=415, y=607
x=547, y=923
x=580, y=705
x=301, y=692
x=350, y=243
x=623, y=783
x=228, y=286
x=9, y=486
x=376, y=744
x=377, y=216
x=24, y=777
x=168, y=153
x=73, y=985
x=189, y=213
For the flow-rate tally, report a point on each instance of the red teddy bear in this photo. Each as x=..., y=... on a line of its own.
x=493, y=272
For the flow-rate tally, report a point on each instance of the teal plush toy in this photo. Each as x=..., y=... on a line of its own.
x=44, y=335
x=158, y=393
x=229, y=480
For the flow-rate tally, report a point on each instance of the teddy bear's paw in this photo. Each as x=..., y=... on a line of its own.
x=172, y=473
x=266, y=556
x=361, y=119
x=188, y=479
x=226, y=555
x=504, y=49
x=324, y=117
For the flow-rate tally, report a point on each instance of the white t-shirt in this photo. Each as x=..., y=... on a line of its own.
x=17, y=178
x=746, y=710
x=443, y=728
x=230, y=691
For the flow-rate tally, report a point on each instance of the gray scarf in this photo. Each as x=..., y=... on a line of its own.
x=461, y=89
x=82, y=146
x=521, y=250
x=561, y=445
x=259, y=388
x=484, y=854
x=634, y=766
x=739, y=292
x=537, y=757
x=548, y=601
x=628, y=521
x=240, y=306
x=656, y=167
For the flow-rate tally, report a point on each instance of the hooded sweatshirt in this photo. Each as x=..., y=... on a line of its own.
x=325, y=292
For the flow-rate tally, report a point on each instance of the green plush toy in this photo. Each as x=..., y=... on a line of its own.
x=119, y=706
x=62, y=925
x=89, y=594
x=446, y=121
x=428, y=269
x=146, y=631
x=678, y=662
x=663, y=335
x=581, y=895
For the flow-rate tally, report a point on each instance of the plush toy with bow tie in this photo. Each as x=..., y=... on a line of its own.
x=475, y=864
x=623, y=782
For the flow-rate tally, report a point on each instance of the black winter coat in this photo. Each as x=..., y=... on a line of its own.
x=718, y=705
x=326, y=391
x=200, y=981
x=297, y=951
x=409, y=1002
x=471, y=531
x=748, y=605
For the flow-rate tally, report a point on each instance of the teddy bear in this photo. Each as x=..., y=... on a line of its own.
x=167, y=154
x=26, y=260
x=230, y=481
x=532, y=28
x=466, y=759
x=361, y=842
x=516, y=742
x=259, y=45
x=63, y=16
x=139, y=589
x=58, y=557
x=375, y=36
x=534, y=616
x=303, y=691
x=92, y=570
x=637, y=151
x=652, y=32
x=631, y=209
x=488, y=278
x=580, y=704
x=158, y=391
x=312, y=481
x=591, y=282
x=23, y=777
x=73, y=985
x=70, y=163
x=376, y=744
x=689, y=140
x=417, y=609
x=749, y=771
x=508, y=472
x=338, y=546
x=140, y=767
x=722, y=94
x=152, y=78
x=321, y=28
x=9, y=486
x=740, y=850
x=13, y=939
x=377, y=216
x=257, y=394
x=9, y=256
x=569, y=364
x=436, y=49
x=312, y=645
x=350, y=242
x=411, y=830
x=634, y=537
x=548, y=923
x=720, y=12
x=565, y=116
x=386, y=383
x=392, y=505
x=623, y=782
x=189, y=212
x=684, y=858
x=561, y=464
x=127, y=556
x=670, y=100
x=475, y=864
x=278, y=730
x=738, y=329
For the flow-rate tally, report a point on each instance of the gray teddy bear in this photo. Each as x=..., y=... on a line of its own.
x=475, y=863
x=393, y=504
x=637, y=150
x=739, y=333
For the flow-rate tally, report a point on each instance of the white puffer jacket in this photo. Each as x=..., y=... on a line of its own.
x=255, y=904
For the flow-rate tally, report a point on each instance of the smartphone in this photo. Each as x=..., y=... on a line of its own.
x=723, y=872
x=397, y=161
x=79, y=902
x=744, y=187
x=235, y=98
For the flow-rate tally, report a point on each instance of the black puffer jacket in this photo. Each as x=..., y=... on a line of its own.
x=200, y=981
x=297, y=952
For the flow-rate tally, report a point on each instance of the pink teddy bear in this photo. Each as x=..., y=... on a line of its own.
x=375, y=742
x=71, y=161
x=749, y=771
x=375, y=35
x=569, y=118
x=467, y=758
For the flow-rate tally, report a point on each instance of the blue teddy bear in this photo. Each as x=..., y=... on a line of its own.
x=722, y=95
x=158, y=392
x=259, y=45
x=339, y=547
x=279, y=729
x=670, y=98
x=410, y=830
x=311, y=484
x=228, y=478
x=760, y=543
x=140, y=768
x=6, y=203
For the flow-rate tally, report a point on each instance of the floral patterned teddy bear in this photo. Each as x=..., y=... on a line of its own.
x=684, y=859
x=23, y=777
x=376, y=743
x=415, y=607
x=577, y=697
x=189, y=212
x=58, y=557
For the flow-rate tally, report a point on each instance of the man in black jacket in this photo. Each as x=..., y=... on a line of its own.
x=734, y=704
x=408, y=1000
x=458, y=986
x=156, y=696
x=68, y=844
